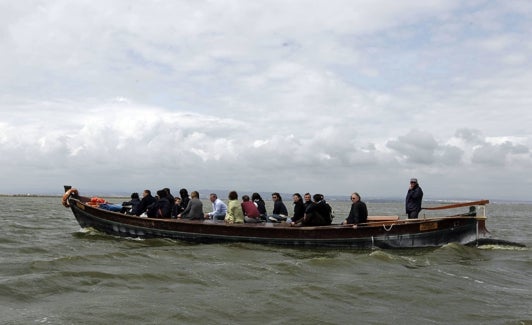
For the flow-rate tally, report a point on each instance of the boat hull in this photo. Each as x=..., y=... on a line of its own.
x=416, y=233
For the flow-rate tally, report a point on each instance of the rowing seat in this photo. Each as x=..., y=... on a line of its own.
x=382, y=218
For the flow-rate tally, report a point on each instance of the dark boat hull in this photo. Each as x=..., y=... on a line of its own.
x=397, y=234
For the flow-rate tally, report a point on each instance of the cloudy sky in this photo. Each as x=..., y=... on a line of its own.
x=320, y=96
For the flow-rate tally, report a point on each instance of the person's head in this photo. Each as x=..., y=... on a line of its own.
x=162, y=193
x=317, y=197
x=134, y=195
x=183, y=193
x=213, y=197
x=167, y=191
x=233, y=195
x=355, y=197
x=413, y=182
x=177, y=200
x=256, y=196
x=297, y=197
x=146, y=193
x=307, y=197
x=276, y=196
x=245, y=198
x=194, y=195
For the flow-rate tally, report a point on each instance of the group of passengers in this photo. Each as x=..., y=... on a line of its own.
x=308, y=210
x=163, y=205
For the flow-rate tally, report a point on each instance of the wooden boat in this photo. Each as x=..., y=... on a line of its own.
x=381, y=232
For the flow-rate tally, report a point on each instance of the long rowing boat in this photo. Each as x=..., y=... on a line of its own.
x=382, y=232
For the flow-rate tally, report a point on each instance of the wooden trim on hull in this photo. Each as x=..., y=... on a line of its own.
x=392, y=234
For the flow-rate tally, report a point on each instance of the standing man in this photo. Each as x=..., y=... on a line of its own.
x=358, y=213
x=219, y=208
x=414, y=196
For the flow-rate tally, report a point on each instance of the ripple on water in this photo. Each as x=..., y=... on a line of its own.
x=53, y=272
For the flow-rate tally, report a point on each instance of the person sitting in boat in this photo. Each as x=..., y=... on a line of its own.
x=183, y=193
x=169, y=195
x=319, y=213
x=194, y=209
x=163, y=206
x=251, y=212
x=358, y=213
x=308, y=200
x=145, y=202
x=177, y=208
x=279, y=213
x=260, y=204
x=219, y=208
x=299, y=207
x=131, y=206
x=234, y=209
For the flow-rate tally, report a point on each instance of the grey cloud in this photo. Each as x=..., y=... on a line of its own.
x=415, y=147
x=469, y=135
x=450, y=155
x=497, y=154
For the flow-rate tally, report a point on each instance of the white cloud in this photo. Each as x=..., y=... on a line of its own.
x=330, y=98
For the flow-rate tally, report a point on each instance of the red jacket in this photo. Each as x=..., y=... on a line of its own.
x=250, y=209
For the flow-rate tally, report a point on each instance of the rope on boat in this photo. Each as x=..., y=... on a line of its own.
x=388, y=229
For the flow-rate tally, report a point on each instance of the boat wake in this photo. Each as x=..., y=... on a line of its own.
x=499, y=244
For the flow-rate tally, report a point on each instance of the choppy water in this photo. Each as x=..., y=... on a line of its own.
x=51, y=272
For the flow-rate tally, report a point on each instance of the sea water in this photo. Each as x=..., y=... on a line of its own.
x=53, y=272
